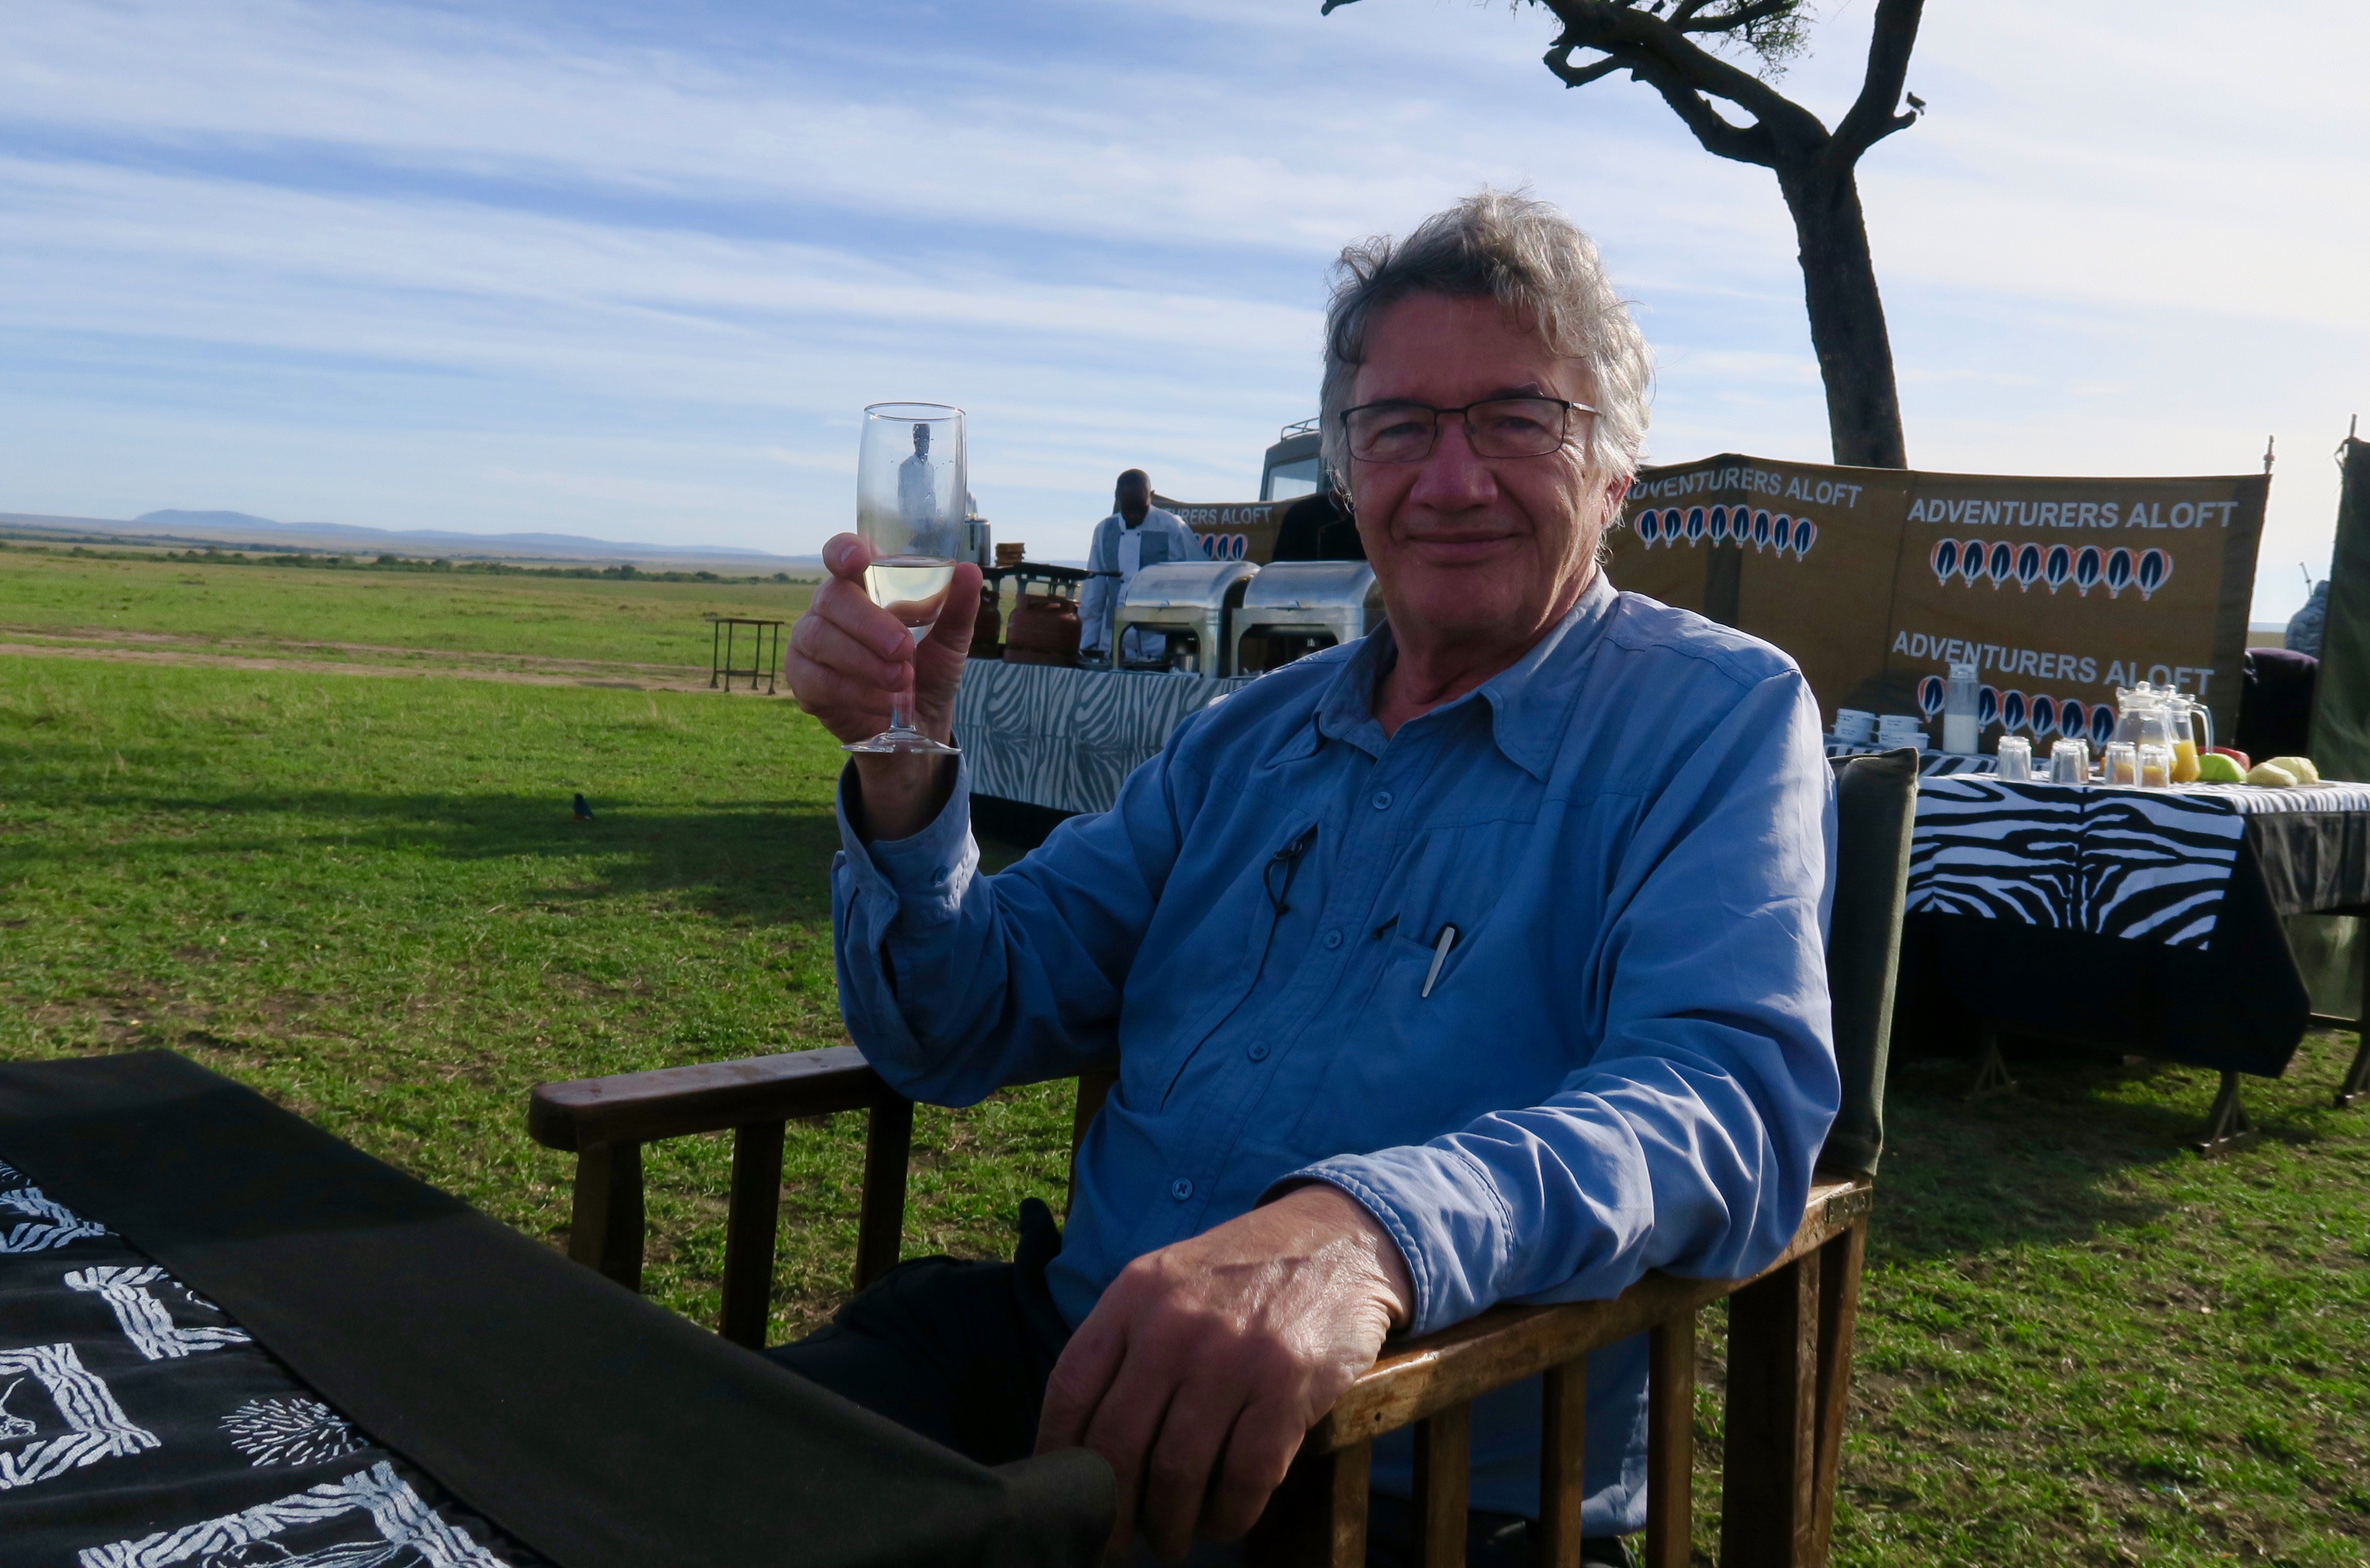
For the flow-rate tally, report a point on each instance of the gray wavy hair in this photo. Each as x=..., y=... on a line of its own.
x=1532, y=259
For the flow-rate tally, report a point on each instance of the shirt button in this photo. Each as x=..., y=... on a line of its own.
x=1181, y=1189
x=1257, y=1051
x=1381, y=800
x=1332, y=940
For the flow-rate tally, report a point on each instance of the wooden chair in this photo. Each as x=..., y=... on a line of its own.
x=1790, y=1326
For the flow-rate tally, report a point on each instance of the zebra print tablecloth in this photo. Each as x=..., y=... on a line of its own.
x=1066, y=738
x=2145, y=865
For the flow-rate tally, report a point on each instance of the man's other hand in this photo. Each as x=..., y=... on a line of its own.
x=848, y=659
x=1205, y=1363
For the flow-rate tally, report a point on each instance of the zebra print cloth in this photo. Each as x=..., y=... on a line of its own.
x=1066, y=738
x=2145, y=865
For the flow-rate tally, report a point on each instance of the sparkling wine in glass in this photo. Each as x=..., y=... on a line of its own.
x=911, y=495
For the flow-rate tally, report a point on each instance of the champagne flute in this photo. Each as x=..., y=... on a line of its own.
x=911, y=487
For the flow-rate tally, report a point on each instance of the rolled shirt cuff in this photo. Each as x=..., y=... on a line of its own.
x=921, y=876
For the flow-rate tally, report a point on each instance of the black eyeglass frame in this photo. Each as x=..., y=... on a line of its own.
x=1566, y=404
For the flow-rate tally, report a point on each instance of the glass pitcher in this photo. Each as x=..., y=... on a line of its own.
x=2130, y=702
x=2156, y=746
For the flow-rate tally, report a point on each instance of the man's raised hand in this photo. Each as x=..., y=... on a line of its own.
x=848, y=657
x=1205, y=1363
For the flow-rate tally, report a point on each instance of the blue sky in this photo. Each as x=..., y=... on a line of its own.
x=631, y=271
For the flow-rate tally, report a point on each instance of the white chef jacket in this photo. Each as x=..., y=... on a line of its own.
x=1117, y=553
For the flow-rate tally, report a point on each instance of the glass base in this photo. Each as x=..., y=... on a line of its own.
x=899, y=742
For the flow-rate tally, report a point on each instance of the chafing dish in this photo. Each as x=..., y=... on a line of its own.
x=1190, y=604
x=1295, y=608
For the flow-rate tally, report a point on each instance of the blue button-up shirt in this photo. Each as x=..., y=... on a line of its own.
x=1624, y=1061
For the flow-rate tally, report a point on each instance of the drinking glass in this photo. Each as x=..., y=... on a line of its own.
x=911, y=485
x=2156, y=765
x=2016, y=759
x=2123, y=763
x=2069, y=763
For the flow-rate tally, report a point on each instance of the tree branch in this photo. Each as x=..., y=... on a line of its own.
x=1872, y=116
x=1558, y=61
x=1659, y=54
x=1685, y=20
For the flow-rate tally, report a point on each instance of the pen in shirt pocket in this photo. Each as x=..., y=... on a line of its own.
x=1439, y=947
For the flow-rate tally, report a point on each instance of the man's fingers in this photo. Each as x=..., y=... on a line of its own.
x=1083, y=1370
x=1260, y=1449
x=1177, y=1474
x=845, y=605
x=845, y=555
x=826, y=644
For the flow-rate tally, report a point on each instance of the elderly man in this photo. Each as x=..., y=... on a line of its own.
x=1479, y=961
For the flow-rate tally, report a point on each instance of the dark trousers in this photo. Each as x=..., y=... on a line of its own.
x=960, y=1351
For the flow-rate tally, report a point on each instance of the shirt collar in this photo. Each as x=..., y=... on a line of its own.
x=1529, y=699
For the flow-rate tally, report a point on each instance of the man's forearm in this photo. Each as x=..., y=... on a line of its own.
x=898, y=796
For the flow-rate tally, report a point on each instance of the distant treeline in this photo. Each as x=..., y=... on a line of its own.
x=309, y=560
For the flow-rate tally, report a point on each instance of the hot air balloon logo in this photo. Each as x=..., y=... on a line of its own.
x=2013, y=710
x=2071, y=718
x=1987, y=708
x=1946, y=559
x=2086, y=562
x=1930, y=695
x=2118, y=573
x=2045, y=714
x=1720, y=525
x=1781, y=533
x=1694, y=526
x=1805, y=530
x=2003, y=563
x=2027, y=566
x=2154, y=570
x=2102, y=726
x=1973, y=562
x=2057, y=567
x=1650, y=526
x=1760, y=531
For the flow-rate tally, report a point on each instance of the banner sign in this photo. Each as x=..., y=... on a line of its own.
x=1232, y=531
x=1876, y=580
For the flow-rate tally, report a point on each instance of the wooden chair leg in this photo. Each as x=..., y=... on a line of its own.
x=1563, y=1462
x=1443, y=1473
x=1317, y=1517
x=750, y=1227
x=605, y=1229
x=1669, y=1441
x=1771, y=1453
x=1840, y=1262
x=880, y=1224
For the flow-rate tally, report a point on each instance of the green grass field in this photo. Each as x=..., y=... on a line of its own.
x=367, y=897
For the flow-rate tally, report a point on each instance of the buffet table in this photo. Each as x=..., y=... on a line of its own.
x=227, y=1338
x=2139, y=922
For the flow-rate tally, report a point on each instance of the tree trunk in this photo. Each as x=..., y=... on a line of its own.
x=1846, y=317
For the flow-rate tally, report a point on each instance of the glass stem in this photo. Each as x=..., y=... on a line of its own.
x=901, y=712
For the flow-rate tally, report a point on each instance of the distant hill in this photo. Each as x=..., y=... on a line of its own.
x=234, y=528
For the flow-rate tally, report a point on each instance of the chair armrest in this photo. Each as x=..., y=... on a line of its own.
x=1506, y=1344
x=639, y=1107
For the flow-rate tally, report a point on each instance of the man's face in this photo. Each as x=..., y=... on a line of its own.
x=1470, y=548
x=921, y=441
x=1134, y=498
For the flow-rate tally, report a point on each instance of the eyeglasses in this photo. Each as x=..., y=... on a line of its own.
x=1501, y=426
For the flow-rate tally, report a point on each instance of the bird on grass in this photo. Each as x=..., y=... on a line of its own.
x=583, y=807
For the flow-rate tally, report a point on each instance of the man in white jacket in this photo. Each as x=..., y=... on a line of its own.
x=1136, y=535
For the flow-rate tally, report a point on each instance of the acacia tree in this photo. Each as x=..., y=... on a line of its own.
x=1676, y=48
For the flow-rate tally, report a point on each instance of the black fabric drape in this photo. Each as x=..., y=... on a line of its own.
x=601, y=1431
x=2240, y=1005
